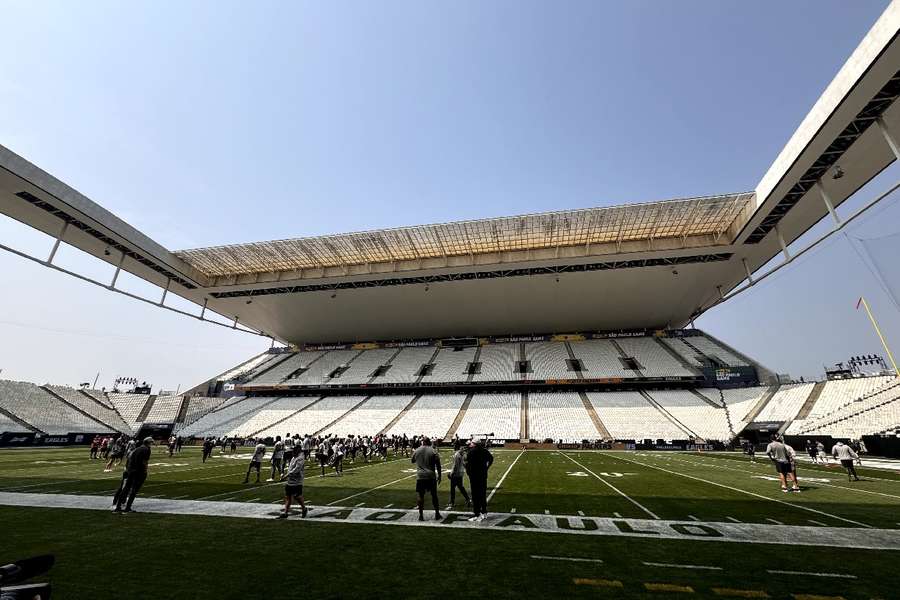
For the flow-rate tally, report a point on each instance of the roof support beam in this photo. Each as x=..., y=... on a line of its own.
x=746, y=270
x=59, y=238
x=784, y=249
x=115, y=278
x=162, y=300
x=888, y=136
x=828, y=204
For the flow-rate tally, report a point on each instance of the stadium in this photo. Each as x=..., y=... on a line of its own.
x=622, y=436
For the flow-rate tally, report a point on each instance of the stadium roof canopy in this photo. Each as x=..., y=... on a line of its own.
x=645, y=265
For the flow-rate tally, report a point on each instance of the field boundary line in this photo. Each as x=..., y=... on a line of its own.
x=384, y=485
x=617, y=490
x=503, y=478
x=754, y=494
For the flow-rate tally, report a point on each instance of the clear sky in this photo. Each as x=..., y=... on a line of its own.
x=206, y=123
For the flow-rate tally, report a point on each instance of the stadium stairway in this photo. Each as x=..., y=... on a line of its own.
x=624, y=354
x=460, y=415
x=523, y=425
x=105, y=404
x=182, y=410
x=430, y=362
x=572, y=356
x=681, y=360
x=476, y=358
x=668, y=415
x=355, y=406
x=75, y=408
x=731, y=431
x=598, y=423
x=389, y=362
x=24, y=424
x=763, y=401
x=807, y=407
x=708, y=400
x=148, y=406
x=402, y=412
x=279, y=421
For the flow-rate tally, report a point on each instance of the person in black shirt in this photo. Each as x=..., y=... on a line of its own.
x=478, y=461
x=135, y=475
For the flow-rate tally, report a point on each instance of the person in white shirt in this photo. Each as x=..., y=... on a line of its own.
x=846, y=455
x=256, y=462
x=780, y=456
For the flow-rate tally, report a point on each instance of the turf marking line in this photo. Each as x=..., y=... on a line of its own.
x=503, y=478
x=677, y=566
x=733, y=520
x=617, y=490
x=734, y=489
x=669, y=587
x=819, y=523
x=811, y=574
x=740, y=593
x=566, y=558
x=774, y=521
x=384, y=485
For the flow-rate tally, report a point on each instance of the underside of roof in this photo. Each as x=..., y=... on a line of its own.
x=709, y=215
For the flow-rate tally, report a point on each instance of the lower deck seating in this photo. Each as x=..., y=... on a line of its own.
x=315, y=417
x=129, y=406
x=698, y=415
x=431, y=415
x=269, y=416
x=42, y=410
x=199, y=406
x=370, y=418
x=99, y=411
x=785, y=403
x=559, y=416
x=165, y=409
x=629, y=416
x=495, y=414
x=7, y=425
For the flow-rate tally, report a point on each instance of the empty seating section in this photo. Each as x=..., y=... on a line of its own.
x=713, y=350
x=279, y=373
x=370, y=418
x=269, y=416
x=879, y=413
x=7, y=425
x=40, y=409
x=683, y=350
x=199, y=406
x=316, y=417
x=600, y=359
x=839, y=392
x=696, y=414
x=105, y=415
x=629, y=416
x=559, y=416
x=450, y=365
x=498, y=363
x=786, y=402
x=431, y=415
x=100, y=396
x=495, y=414
x=363, y=366
x=548, y=361
x=164, y=410
x=248, y=367
x=129, y=405
x=405, y=366
x=653, y=358
x=318, y=371
x=740, y=402
x=215, y=422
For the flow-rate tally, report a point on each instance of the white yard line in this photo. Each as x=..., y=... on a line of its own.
x=508, y=469
x=734, y=489
x=614, y=488
x=677, y=566
x=810, y=574
x=693, y=518
x=774, y=521
x=732, y=519
x=371, y=490
x=566, y=558
x=819, y=523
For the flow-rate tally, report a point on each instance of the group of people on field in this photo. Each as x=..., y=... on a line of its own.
x=784, y=458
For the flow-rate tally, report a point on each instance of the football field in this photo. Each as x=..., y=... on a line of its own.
x=562, y=523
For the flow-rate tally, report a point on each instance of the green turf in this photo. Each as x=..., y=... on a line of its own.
x=210, y=557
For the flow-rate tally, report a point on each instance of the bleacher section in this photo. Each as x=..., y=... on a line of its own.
x=548, y=361
x=696, y=414
x=450, y=365
x=629, y=416
x=559, y=416
x=786, y=403
x=278, y=373
x=164, y=409
x=218, y=421
x=246, y=368
x=43, y=411
x=497, y=414
x=431, y=415
x=740, y=401
x=836, y=394
x=374, y=415
x=653, y=358
x=99, y=396
x=713, y=350
x=7, y=425
x=319, y=370
x=270, y=417
x=362, y=368
x=405, y=366
x=498, y=363
x=129, y=406
x=600, y=359
x=100, y=412
x=873, y=412
x=316, y=417
x=199, y=406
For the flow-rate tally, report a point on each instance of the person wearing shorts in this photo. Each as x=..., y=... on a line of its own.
x=428, y=475
x=293, y=488
x=780, y=456
x=256, y=462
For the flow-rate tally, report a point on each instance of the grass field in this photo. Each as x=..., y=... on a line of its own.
x=667, y=524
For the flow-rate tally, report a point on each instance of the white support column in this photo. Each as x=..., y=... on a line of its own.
x=828, y=204
x=784, y=249
x=162, y=300
x=112, y=284
x=234, y=325
x=746, y=270
x=888, y=137
x=721, y=295
x=203, y=312
x=59, y=238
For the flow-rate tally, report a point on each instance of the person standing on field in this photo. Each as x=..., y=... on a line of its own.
x=846, y=455
x=478, y=461
x=457, y=474
x=428, y=476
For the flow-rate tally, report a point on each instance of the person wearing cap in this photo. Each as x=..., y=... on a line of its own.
x=478, y=461
x=428, y=476
x=135, y=476
x=457, y=474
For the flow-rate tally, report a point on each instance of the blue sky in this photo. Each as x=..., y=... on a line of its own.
x=205, y=123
